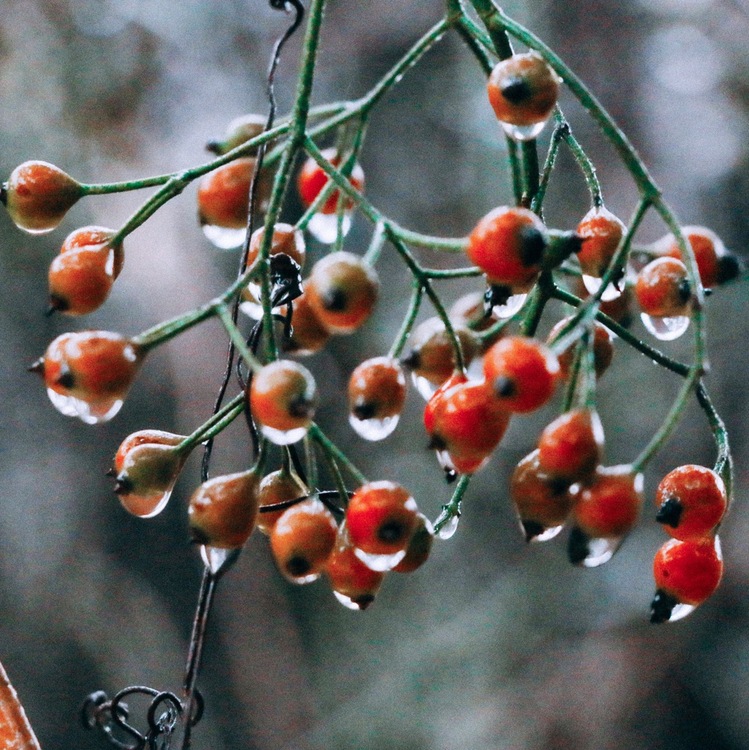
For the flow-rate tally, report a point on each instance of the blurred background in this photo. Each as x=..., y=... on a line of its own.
x=492, y=644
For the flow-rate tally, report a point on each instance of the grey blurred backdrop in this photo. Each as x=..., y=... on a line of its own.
x=492, y=645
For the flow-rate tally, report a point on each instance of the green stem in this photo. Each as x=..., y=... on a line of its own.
x=213, y=426
x=724, y=460
x=376, y=244
x=453, y=508
x=335, y=452
x=408, y=321
x=453, y=273
x=335, y=473
x=237, y=339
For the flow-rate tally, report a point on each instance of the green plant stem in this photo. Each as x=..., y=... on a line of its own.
x=335, y=473
x=237, y=339
x=453, y=508
x=724, y=460
x=327, y=445
x=216, y=424
x=408, y=321
x=376, y=244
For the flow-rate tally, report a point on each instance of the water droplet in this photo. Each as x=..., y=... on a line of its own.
x=348, y=602
x=324, y=227
x=380, y=563
x=224, y=238
x=374, y=429
x=522, y=132
x=509, y=308
x=283, y=437
x=96, y=413
x=301, y=580
x=593, y=284
x=449, y=529
x=218, y=559
x=425, y=388
x=680, y=611
x=666, y=329
x=600, y=551
x=145, y=506
x=545, y=535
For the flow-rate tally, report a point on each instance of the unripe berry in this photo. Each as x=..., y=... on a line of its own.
x=312, y=181
x=342, y=291
x=302, y=540
x=223, y=510
x=508, y=246
x=282, y=399
x=240, y=130
x=278, y=487
x=38, y=195
x=691, y=502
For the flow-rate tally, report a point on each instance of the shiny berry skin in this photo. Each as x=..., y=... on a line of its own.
x=95, y=236
x=542, y=503
x=431, y=353
x=662, y=288
x=93, y=368
x=286, y=240
x=308, y=334
x=523, y=89
x=381, y=517
x=283, y=396
x=312, y=181
x=377, y=389
x=522, y=372
x=715, y=264
x=603, y=348
x=223, y=510
x=432, y=404
x=223, y=195
x=570, y=447
x=354, y=584
x=277, y=487
x=691, y=502
x=240, y=130
x=146, y=466
x=601, y=234
x=80, y=279
x=508, y=246
x=38, y=195
x=419, y=546
x=342, y=291
x=302, y=540
x=468, y=312
x=688, y=571
x=468, y=422
x=609, y=505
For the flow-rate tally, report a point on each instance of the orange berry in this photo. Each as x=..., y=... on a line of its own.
x=376, y=394
x=686, y=573
x=691, y=502
x=308, y=334
x=508, y=246
x=286, y=240
x=302, y=540
x=223, y=510
x=277, y=487
x=663, y=289
x=523, y=90
x=342, y=291
x=601, y=234
x=570, y=447
x=38, y=195
x=95, y=236
x=431, y=406
x=240, y=130
x=603, y=348
x=312, y=181
x=353, y=583
x=542, y=503
x=282, y=398
x=522, y=373
x=80, y=280
x=419, y=546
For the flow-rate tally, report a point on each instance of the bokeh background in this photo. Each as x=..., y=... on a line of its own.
x=493, y=644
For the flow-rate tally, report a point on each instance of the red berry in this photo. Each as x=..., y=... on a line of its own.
x=312, y=181
x=223, y=510
x=282, y=398
x=286, y=240
x=88, y=374
x=146, y=467
x=278, y=487
x=431, y=407
x=381, y=517
x=468, y=422
x=342, y=291
x=308, y=334
x=603, y=348
x=376, y=394
x=353, y=583
x=663, y=289
x=38, y=195
x=691, y=502
x=419, y=546
x=542, y=503
x=523, y=90
x=686, y=572
x=80, y=279
x=522, y=373
x=95, y=236
x=570, y=447
x=302, y=540
x=601, y=234
x=508, y=246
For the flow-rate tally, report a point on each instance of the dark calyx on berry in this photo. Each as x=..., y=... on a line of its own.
x=684, y=291
x=123, y=486
x=516, y=90
x=298, y=566
x=65, y=379
x=412, y=360
x=669, y=514
x=198, y=536
x=662, y=606
x=532, y=245
x=391, y=531
x=532, y=529
x=37, y=367
x=577, y=546
x=301, y=406
x=450, y=474
x=729, y=268
x=504, y=387
x=364, y=409
x=495, y=295
x=334, y=299
x=363, y=601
